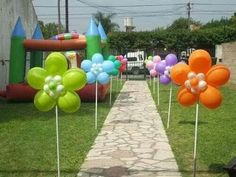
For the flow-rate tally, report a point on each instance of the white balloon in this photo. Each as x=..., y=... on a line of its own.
x=60, y=88
x=187, y=84
x=48, y=79
x=191, y=75
x=46, y=88
x=193, y=90
x=166, y=72
x=168, y=68
x=57, y=78
x=201, y=76
x=51, y=94
x=202, y=85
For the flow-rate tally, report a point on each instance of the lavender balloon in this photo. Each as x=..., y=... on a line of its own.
x=171, y=59
x=160, y=67
x=164, y=79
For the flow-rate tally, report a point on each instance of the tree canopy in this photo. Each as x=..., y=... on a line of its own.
x=49, y=29
x=183, y=23
x=177, y=36
x=106, y=21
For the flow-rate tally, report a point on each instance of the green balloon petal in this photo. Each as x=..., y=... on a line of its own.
x=56, y=64
x=117, y=64
x=114, y=72
x=74, y=79
x=43, y=101
x=70, y=102
x=112, y=58
x=36, y=77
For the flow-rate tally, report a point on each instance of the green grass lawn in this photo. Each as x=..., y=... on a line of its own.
x=28, y=139
x=217, y=132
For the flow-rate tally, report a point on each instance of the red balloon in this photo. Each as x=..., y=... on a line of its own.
x=122, y=68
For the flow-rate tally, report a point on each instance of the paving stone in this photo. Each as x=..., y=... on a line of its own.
x=132, y=142
x=145, y=156
x=143, y=150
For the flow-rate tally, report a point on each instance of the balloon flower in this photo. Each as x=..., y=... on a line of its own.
x=151, y=64
x=200, y=80
x=149, y=58
x=164, y=68
x=56, y=84
x=123, y=62
x=97, y=69
x=117, y=65
x=199, y=83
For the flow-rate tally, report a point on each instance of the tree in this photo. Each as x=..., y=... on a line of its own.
x=106, y=22
x=218, y=23
x=49, y=29
x=182, y=23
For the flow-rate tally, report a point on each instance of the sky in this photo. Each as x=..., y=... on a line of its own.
x=146, y=14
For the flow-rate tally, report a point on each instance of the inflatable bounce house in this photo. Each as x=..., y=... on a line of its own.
x=95, y=41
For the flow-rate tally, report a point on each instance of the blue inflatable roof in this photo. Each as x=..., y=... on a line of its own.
x=18, y=29
x=37, y=33
x=92, y=29
x=101, y=31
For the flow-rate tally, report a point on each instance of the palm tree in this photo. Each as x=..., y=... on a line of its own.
x=106, y=22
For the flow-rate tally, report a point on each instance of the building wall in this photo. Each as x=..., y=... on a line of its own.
x=226, y=54
x=10, y=10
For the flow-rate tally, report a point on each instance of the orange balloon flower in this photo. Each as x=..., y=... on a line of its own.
x=200, y=80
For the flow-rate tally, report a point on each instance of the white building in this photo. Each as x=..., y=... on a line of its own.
x=10, y=10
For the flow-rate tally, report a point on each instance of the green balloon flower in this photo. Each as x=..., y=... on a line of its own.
x=57, y=85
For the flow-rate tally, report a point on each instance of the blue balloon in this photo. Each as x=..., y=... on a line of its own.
x=86, y=65
x=97, y=58
x=108, y=66
x=103, y=78
x=90, y=77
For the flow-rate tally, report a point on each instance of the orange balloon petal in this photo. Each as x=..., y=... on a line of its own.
x=186, y=98
x=200, y=61
x=179, y=73
x=218, y=75
x=211, y=97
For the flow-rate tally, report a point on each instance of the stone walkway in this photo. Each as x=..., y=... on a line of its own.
x=132, y=142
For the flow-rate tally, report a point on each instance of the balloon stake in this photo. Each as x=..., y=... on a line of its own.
x=153, y=85
x=117, y=82
x=121, y=78
x=195, y=144
x=158, y=90
x=110, y=90
x=58, y=150
x=96, y=105
x=169, y=109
